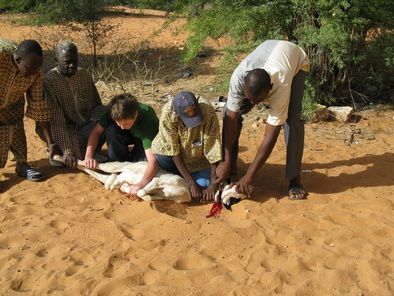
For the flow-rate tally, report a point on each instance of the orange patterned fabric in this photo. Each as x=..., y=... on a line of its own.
x=13, y=89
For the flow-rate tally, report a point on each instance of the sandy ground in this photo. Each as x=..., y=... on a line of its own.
x=69, y=236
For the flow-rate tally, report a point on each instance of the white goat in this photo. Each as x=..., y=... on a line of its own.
x=124, y=174
x=165, y=185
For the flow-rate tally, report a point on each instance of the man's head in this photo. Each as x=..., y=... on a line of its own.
x=124, y=110
x=66, y=57
x=28, y=57
x=257, y=85
x=188, y=109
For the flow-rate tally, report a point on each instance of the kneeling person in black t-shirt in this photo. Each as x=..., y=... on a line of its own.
x=127, y=122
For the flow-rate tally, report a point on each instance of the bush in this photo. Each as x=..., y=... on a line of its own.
x=333, y=33
x=80, y=15
x=17, y=5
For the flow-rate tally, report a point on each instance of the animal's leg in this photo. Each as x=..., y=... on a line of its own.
x=103, y=178
x=152, y=185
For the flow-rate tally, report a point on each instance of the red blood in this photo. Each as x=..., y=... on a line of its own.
x=215, y=210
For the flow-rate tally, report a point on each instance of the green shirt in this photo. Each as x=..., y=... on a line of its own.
x=145, y=127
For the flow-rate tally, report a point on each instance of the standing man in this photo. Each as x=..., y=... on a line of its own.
x=20, y=76
x=188, y=143
x=74, y=102
x=275, y=73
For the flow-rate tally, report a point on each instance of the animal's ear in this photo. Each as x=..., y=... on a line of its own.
x=227, y=187
x=231, y=201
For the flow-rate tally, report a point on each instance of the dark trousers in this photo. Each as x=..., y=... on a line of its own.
x=118, y=142
x=293, y=128
x=167, y=163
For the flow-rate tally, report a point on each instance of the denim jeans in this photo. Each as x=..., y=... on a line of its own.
x=202, y=177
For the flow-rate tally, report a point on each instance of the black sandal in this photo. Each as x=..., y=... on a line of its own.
x=297, y=192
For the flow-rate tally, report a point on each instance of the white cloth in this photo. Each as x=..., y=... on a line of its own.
x=282, y=60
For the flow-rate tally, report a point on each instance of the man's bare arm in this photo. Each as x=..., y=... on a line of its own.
x=264, y=151
x=93, y=140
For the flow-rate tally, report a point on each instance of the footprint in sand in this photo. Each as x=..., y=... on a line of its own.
x=113, y=261
x=157, y=266
x=124, y=229
x=118, y=286
x=73, y=269
x=16, y=285
x=195, y=260
x=265, y=265
x=5, y=244
x=60, y=227
x=107, y=215
x=42, y=253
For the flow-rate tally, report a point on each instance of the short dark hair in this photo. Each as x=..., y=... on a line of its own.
x=28, y=47
x=123, y=106
x=257, y=81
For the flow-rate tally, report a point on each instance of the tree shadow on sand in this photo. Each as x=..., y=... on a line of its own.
x=270, y=181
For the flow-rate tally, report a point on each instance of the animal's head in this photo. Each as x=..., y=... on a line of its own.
x=230, y=196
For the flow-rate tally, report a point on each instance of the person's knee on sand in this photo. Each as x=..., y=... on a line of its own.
x=122, y=145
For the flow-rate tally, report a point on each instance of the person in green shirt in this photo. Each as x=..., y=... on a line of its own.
x=127, y=122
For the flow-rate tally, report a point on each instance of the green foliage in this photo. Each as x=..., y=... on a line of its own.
x=335, y=34
x=80, y=15
x=350, y=42
x=18, y=5
x=60, y=11
x=168, y=5
x=375, y=76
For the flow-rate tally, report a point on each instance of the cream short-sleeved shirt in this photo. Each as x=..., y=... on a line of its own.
x=282, y=60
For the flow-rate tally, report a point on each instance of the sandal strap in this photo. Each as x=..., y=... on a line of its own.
x=30, y=173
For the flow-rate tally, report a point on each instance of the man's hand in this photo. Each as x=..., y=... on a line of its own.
x=244, y=185
x=134, y=188
x=195, y=191
x=209, y=193
x=90, y=163
x=223, y=171
x=70, y=160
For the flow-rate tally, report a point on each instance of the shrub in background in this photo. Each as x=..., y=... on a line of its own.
x=85, y=16
x=335, y=34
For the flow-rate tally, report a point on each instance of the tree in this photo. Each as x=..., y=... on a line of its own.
x=17, y=5
x=81, y=15
x=336, y=35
